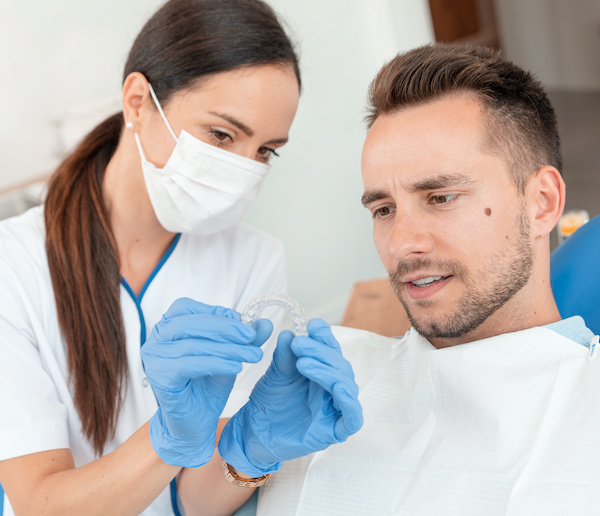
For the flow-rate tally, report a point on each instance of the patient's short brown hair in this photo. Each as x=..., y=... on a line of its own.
x=520, y=120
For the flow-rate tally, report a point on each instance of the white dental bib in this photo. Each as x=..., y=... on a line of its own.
x=503, y=426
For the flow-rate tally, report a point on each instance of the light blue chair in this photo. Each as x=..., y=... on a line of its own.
x=1, y=501
x=575, y=274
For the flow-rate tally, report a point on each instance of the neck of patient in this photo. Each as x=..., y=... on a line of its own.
x=525, y=310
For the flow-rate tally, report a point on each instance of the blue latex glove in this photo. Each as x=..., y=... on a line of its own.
x=306, y=401
x=191, y=359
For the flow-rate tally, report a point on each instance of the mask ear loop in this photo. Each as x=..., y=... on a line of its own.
x=139, y=146
x=162, y=114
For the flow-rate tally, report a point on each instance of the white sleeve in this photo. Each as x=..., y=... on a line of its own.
x=269, y=275
x=33, y=417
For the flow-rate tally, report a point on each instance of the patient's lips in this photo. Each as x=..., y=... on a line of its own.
x=424, y=282
x=423, y=286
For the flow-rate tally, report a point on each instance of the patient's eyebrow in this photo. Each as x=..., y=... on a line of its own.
x=422, y=185
x=440, y=181
x=373, y=195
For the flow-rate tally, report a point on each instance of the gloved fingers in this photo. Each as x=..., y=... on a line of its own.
x=263, y=329
x=319, y=330
x=284, y=360
x=306, y=347
x=205, y=326
x=179, y=371
x=343, y=391
x=185, y=305
x=351, y=418
x=326, y=375
x=199, y=348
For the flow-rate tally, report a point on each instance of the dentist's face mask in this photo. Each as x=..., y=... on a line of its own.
x=202, y=189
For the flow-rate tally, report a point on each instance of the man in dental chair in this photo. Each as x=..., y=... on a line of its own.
x=490, y=404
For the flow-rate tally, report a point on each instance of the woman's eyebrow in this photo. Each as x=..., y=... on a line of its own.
x=234, y=121
x=244, y=128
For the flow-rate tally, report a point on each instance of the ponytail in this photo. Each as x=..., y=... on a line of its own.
x=84, y=268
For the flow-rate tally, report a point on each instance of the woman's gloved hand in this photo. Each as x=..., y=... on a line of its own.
x=191, y=359
x=306, y=401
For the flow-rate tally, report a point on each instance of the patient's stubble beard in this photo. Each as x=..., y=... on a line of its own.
x=506, y=272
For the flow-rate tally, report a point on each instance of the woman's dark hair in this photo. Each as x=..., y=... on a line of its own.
x=183, y=42
x=521, y=124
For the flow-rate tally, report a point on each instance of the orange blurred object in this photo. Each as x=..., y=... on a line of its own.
x=571, y=221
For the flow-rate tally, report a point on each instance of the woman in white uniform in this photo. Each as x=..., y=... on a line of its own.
x=145, y=211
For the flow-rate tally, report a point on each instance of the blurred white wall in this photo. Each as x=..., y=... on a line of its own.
x=57, y=56
x=54, y=56
x=312, y=198
x=558, y=40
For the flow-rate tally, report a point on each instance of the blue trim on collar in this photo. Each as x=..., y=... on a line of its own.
x=138, y=299
x=174, y=503
x=159, y=266
x=138, y=304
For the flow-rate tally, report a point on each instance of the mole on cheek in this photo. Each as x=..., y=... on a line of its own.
x=487, y=211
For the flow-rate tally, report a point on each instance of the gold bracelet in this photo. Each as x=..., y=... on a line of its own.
x=234, y=479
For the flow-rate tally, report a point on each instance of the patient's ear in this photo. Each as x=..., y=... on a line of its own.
x=546, y=191
x=135, y=97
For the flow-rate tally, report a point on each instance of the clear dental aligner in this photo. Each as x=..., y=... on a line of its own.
x=256, y=306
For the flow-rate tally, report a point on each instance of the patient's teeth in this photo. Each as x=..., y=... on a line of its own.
x=426, y=281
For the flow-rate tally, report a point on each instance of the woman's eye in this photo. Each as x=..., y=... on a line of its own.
x=441, y=199
x=266, y=152
x=220, y=136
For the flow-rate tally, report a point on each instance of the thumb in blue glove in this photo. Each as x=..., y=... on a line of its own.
x=306, y=401
x=191, y=359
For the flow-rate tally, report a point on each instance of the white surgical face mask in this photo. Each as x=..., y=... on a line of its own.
x=202, y=189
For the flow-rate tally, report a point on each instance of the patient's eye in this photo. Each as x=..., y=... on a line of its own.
x=442, y=198
x=383, y=212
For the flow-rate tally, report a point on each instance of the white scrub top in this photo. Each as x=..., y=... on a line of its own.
x=36, y=403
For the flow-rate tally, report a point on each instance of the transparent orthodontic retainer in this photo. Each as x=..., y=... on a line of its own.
x=255, y=307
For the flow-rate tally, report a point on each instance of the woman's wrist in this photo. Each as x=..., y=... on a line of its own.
x=240, y=479
x=242, y=475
